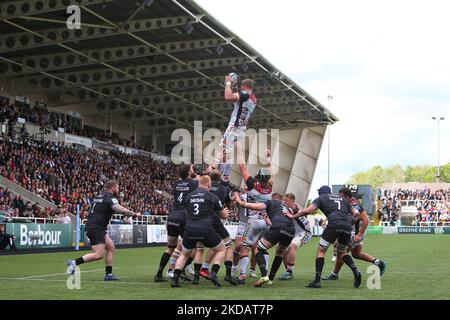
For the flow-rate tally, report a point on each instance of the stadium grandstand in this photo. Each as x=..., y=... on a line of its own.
x=419, y=204
x=80, y=106
x=134, y=73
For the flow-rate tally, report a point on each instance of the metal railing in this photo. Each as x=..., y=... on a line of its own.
x=33, y=220
x=415, y=203
x=434, y=224
x=119, y=219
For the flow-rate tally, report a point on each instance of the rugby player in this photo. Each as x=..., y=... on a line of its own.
x=177, y=217
x=104, y=206
x=223, y=193
x=357, y=241
x=201, y=206
x=340, y=215
x=303, y=235
x=259, y=189
x=244, y=102
x=281, y=233
x=243, y=219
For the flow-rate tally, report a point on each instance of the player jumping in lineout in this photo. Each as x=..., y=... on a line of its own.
x=244, y=101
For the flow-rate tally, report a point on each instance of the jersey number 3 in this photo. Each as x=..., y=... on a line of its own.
x=196, y=212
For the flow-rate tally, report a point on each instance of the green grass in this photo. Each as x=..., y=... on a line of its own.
x=417, y=269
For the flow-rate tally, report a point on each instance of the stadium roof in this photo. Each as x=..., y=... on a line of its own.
x=160, y=62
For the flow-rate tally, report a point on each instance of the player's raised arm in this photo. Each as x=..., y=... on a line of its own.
x=229, y=95
x=269, y=160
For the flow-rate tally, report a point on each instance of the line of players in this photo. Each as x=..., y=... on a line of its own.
x=266, y=220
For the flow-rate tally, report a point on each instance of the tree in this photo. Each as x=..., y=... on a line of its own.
x=378, y=175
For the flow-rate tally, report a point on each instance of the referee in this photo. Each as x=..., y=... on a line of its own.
x=105, y=205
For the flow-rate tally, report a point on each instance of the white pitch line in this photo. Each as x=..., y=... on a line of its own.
x=57, y=274
x=95, y=281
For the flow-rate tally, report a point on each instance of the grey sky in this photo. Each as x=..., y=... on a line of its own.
x=386, y=63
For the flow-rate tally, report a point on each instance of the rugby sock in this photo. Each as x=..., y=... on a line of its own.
x=108, y=269
x=79, y=261
x=319, y=267
x=176, y=273
x=290, y=268
x=174, y=258
x=243, y=264
x=215, y=268
x=197, y=267
x=205, y=266
x=261, y=263
x=228, y=265
x=266, y=257
x=162, y=264
x=275, y=266
x=233, y=269
x=349, y=262
x=376, y=261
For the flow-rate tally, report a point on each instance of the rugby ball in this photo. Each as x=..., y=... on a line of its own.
x=234, y=78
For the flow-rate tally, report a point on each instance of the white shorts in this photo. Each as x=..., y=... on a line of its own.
x=297, y=241
x=241, y=229
x=231, y=135
x=255, y=228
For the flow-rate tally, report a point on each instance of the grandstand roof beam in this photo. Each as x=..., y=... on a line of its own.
x=62, y=61
x=22, y=40
x=275, y=72
x=25, y=8
x=137, y=89
x=198, y=18
x=111, y=75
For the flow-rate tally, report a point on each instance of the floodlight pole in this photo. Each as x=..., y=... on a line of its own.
x=438, y=174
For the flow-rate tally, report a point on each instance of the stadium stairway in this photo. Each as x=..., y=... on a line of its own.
x=26, y=195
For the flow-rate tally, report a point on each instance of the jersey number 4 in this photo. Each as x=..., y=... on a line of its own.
x=180, y=198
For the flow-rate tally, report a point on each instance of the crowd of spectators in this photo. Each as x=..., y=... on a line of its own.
x=63, y=176
x=58, y=173
x=52, y=120
x=432, y=207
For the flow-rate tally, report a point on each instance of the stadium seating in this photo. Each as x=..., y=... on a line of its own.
x=66, y=178
x=433, y=205
x=47, y=119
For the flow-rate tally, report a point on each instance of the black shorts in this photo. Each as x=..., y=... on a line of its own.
x=282, y=236
x=175, y=228
x=210, y=238
x=342, y=234
x=96, y=235
x=221, y=230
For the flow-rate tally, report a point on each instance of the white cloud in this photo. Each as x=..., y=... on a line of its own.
x=385, y=62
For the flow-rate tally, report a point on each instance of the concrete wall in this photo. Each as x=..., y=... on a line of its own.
x=294, y=160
